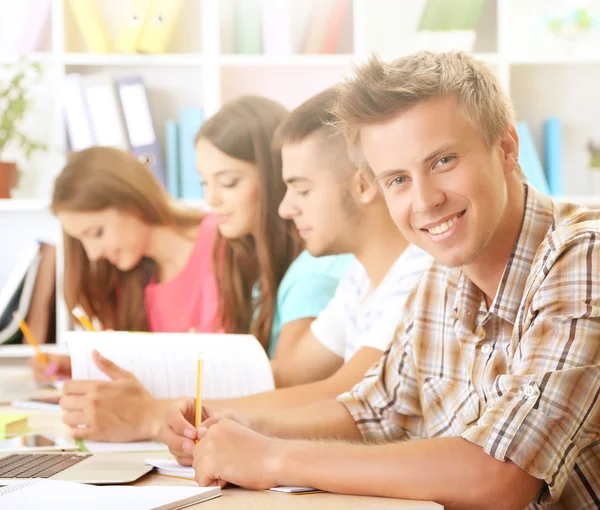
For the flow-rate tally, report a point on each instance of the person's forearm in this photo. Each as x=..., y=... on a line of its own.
x=324, y=420
x=281, y=399
x=450, y=471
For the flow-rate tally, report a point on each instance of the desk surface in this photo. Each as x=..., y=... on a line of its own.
x=234, y=498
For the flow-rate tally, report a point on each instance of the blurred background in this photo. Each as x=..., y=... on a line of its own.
x=142, y=75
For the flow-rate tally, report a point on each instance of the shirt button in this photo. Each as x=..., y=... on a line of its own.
x=529, y=391
x=486, y=348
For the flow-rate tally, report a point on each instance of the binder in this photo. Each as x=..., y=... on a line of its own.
x=159, y=26
x=130, y=33
x=91, y=25
x=247, y=27
x=139, y=126
x=172, y=151
x=336, y=25
x=553, y=155
x=106, y=116
x=37, y=25
x=190, y=120
x=77, y=115
x=14, y=23
x=530, y=160
x=276, y=27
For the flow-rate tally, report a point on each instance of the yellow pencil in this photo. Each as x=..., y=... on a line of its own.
x=83, y=318
x=199, y=390
x=30, y=339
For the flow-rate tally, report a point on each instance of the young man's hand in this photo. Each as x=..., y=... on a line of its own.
x=118, y=410
x=177, y=430
x=228, y=452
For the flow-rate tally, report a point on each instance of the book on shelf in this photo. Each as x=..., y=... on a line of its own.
x=449, y=25
x=248, y=27
x=553, y=155
x=91, y=25
x=190, y=120
x=131, y=29
x=23, y=25
x=277, y=27
x=529, y=159
x=159, y=26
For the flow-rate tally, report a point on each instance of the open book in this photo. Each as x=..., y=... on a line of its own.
x=166, y=363
x=58, y=495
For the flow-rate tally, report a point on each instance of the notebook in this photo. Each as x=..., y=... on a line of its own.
x=166, y=363
x=169, y=467
x=57, y=495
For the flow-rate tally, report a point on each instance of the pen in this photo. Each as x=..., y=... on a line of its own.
x=28, y=336
x=83, y=318
x=199, y=391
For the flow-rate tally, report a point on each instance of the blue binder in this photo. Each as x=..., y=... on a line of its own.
x=553, y=155
x=140, y=127
x=190, y=120
x=530, y=161
x=172, y=152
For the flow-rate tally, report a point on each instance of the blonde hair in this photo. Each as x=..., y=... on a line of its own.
x=102, y=178
x=380, y=91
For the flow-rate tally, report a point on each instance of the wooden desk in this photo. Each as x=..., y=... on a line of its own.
x=232, y=499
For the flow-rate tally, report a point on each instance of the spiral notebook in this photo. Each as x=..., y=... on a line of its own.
x=57, y=495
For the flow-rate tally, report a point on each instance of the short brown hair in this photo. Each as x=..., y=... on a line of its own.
x=314, y=118
x=380, y=91
x=311, y=116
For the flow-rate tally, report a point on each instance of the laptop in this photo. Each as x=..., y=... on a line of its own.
x=96, y=468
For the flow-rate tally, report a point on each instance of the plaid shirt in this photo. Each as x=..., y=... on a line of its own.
x=520, y=379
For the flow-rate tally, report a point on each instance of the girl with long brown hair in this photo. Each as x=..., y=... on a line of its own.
x=134, y=261
x=268, y=285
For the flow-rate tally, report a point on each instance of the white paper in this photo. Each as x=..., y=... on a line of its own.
x=166, y=363
x=59, y=495
x=172, y=468
x=137, y=446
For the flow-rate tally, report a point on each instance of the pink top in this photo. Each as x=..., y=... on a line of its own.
x=190, y=299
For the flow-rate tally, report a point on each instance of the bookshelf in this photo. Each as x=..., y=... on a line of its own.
x=543, y=76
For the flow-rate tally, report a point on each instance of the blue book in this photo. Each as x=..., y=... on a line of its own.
x=172, y=150
x=530, y=160
x=553, y=155
x=190, y=120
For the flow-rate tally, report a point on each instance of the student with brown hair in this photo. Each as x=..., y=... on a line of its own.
x=268, y=285
x=133, y=261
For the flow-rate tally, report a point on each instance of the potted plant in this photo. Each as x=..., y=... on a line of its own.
x=15, y=102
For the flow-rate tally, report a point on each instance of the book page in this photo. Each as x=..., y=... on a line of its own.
x=59, y=495
x=166, y=363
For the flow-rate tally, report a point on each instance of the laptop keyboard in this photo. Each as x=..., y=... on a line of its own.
x=38, y=465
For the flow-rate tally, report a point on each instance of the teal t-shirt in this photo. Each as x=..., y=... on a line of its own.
x=305, y=290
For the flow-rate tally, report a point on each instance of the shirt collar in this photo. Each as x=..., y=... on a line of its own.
x=469, y=302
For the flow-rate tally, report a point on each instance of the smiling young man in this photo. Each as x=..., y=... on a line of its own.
x=337, y=210
x=490, y=391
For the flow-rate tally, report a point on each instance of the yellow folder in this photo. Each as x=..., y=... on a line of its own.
x=158, y=29
x=91, y=25
x=138, y=12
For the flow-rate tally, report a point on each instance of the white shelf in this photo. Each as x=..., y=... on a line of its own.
x=141, y=60
x=23, y=205
x=286, y=60
x=543, y=59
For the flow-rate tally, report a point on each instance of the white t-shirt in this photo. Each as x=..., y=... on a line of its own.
x=360, y=316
